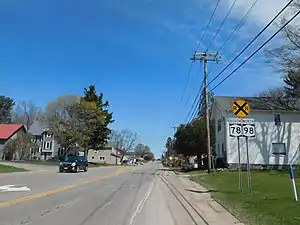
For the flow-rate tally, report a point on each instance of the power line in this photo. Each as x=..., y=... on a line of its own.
x=222, y=24
x=256, y=51
x=197, y=106
x=239, y=25
x=207, y=25
x=247, y=46
x=237, y=28
x=187, y=81
x=194, y=105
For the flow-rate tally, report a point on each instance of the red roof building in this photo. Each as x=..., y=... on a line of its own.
x=9, y=130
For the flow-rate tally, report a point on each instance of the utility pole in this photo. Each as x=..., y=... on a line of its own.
x=168, y=152
x=205, y=57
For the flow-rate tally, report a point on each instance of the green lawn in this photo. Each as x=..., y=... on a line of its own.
x=270, y=203
x=10, y=169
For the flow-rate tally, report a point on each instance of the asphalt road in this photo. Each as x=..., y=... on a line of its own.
x=106, y=196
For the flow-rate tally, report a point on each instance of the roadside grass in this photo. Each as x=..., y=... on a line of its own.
x=56, y=163
x=10, y=169
x=196, y=172
x=99, y=164
x=42, y=163
x=270, y=203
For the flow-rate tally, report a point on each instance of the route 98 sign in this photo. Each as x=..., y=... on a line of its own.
x=242, y=128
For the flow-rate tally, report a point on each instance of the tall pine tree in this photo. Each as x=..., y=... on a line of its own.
x=101, y=131
x=6, y=106
x=292, y=84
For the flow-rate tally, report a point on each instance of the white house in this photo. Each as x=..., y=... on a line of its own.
x=274, y=144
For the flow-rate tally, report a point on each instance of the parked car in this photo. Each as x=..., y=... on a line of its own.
x=73, y=164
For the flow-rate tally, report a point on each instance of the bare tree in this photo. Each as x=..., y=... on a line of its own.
x=124, y=141
x=26, y=112
x=55, y=117
x=141, y=150
x=277, y=92
x=277, y=96
x=20, y=148
x=72, y=121
x=286, y=56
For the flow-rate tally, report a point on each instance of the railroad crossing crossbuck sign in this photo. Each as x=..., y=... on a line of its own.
x=241, y=108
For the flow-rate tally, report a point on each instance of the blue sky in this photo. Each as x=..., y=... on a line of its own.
x=136, y=52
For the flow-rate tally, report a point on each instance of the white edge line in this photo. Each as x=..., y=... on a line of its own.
x=141, y=204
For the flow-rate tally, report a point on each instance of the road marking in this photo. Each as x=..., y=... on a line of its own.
x=60, y=189
x=141, y=205
x=12, y=188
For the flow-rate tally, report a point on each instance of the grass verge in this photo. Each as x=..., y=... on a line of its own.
x=99, y=164
x=10, y=169
x=56, y=163
x=270, y=203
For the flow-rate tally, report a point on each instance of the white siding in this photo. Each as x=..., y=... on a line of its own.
x=220, y=134
x=260, y=147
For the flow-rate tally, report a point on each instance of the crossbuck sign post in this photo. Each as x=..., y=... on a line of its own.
x=241, y=127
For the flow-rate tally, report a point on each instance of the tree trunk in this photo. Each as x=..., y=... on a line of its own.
x=121, y=159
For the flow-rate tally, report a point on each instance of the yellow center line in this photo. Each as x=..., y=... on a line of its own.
x=61, y=189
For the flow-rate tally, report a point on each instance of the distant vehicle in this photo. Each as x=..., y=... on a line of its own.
x=73, y=164
x=188, y=166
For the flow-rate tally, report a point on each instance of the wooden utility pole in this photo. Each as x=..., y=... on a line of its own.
x=205, y=57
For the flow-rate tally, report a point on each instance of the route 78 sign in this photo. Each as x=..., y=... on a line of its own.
x=241, y=127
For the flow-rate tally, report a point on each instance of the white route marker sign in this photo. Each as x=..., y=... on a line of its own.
x=241, y=127
x=13, y=188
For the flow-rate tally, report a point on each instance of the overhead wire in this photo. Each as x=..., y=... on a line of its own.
x=236, y=29
x=207, y=25
x=198, y=45
x=257, y=50
x=196, y=109
x=194, y=105
x=251, y=42
x=222, y=24
x=239, y=25
x=187, y=81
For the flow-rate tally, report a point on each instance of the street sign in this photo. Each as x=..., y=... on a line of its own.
x=235, y=130
x=241, y=108
x=241, y=127
x=248, y=130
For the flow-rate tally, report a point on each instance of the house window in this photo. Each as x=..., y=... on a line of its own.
x=48, y=145
x=219, y=124
x=48, y=135
x=277, y=119
x=102, y=158
x=278, y=149
x=93, y=157
x=40, y=149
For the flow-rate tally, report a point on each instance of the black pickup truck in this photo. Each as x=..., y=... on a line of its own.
x=73, y=164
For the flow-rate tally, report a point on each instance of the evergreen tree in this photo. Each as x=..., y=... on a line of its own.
x=292, y=84
x=101, y=131
x=6, y=107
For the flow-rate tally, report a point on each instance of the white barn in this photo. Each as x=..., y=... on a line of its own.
x=274, y=144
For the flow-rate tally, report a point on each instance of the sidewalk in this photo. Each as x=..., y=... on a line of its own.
x=200, y=198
